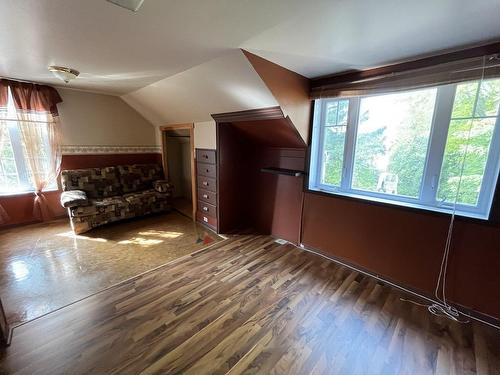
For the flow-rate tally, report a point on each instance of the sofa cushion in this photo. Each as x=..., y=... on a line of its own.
x=145, y=197
x=138, y=177
x=163, y=186
x=95, y=182
x=115, y=206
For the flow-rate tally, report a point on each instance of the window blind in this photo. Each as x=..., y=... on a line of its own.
x=445, y=69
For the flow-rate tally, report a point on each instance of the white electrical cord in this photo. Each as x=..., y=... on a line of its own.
x=441, y=307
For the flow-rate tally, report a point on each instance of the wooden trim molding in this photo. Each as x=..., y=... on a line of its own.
x=177, y=126
x=6, y=332
x=190, y=127
x=270, y=113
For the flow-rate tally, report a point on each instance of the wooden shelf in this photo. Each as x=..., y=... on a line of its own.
x=282, y=171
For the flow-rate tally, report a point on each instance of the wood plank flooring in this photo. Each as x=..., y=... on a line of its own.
x=248, y=305
x=46, y=266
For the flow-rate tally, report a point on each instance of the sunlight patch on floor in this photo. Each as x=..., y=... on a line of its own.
x=80, y=237
x=161, y=233
x=19, y=269
x=145, y=242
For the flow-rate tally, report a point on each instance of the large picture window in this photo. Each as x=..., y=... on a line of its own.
x=422, y=148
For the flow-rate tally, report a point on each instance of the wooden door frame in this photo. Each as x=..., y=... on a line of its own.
x=190, y=127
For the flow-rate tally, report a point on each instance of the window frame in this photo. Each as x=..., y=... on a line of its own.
x=428, y=195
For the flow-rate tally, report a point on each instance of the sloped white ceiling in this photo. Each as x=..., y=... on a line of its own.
x=225, y=84
x=118, y=51
x=335, y=36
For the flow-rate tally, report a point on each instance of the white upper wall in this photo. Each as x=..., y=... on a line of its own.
x=205, y=135
x=226, y=84
x=96, y=119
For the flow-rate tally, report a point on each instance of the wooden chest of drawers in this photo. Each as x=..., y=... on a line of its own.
x=206, y=177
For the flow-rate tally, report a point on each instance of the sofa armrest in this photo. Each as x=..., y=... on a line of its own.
x=74, y=198
x=162, y=186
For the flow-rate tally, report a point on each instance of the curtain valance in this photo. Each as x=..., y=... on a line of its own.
x=30, y=97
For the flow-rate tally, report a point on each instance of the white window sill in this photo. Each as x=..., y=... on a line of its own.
x=445, y=210
x=26, y=192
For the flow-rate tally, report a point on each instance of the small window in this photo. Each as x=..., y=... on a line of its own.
x=334, y=134
x=16, y=176
x=422, y=148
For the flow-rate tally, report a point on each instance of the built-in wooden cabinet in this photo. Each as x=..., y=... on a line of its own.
x=206, y=177
x=260, y=174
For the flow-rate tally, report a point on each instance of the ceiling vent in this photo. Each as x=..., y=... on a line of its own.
x=132, y=5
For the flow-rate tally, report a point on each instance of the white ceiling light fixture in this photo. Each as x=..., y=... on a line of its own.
x=64, y=74
x=132, y=5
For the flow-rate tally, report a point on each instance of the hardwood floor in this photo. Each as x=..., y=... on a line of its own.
x=249, y=305
x=46, y=266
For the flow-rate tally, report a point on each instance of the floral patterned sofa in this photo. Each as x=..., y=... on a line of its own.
x=97, y=196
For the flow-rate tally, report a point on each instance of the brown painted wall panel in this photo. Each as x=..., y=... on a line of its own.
x=290, y=89
x=270, y=133
x=278, y=198
x=20, y=208
x=234, y=193
x=406, y=247
x=278, y=206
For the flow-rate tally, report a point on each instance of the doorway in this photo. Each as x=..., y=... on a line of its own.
x=179, y=166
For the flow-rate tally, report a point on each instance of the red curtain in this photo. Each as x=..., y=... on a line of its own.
x=32, y=97
x=4, y=95
x=4, y=92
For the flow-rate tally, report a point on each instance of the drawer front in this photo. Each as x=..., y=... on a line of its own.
x=207, y=209
x=205, y=156
x=208, y=170
x=207, y=183
x=207, y=220
x=207, y=196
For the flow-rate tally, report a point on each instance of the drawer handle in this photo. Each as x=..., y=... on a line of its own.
x=205, y=209
x=205, y=156
x=205, y=196
x=205, y=219
x=205, y=183
x=207, y=170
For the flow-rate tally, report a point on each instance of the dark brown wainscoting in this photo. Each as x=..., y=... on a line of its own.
x=20, y=207
x=107, y=160
x=406, y=247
